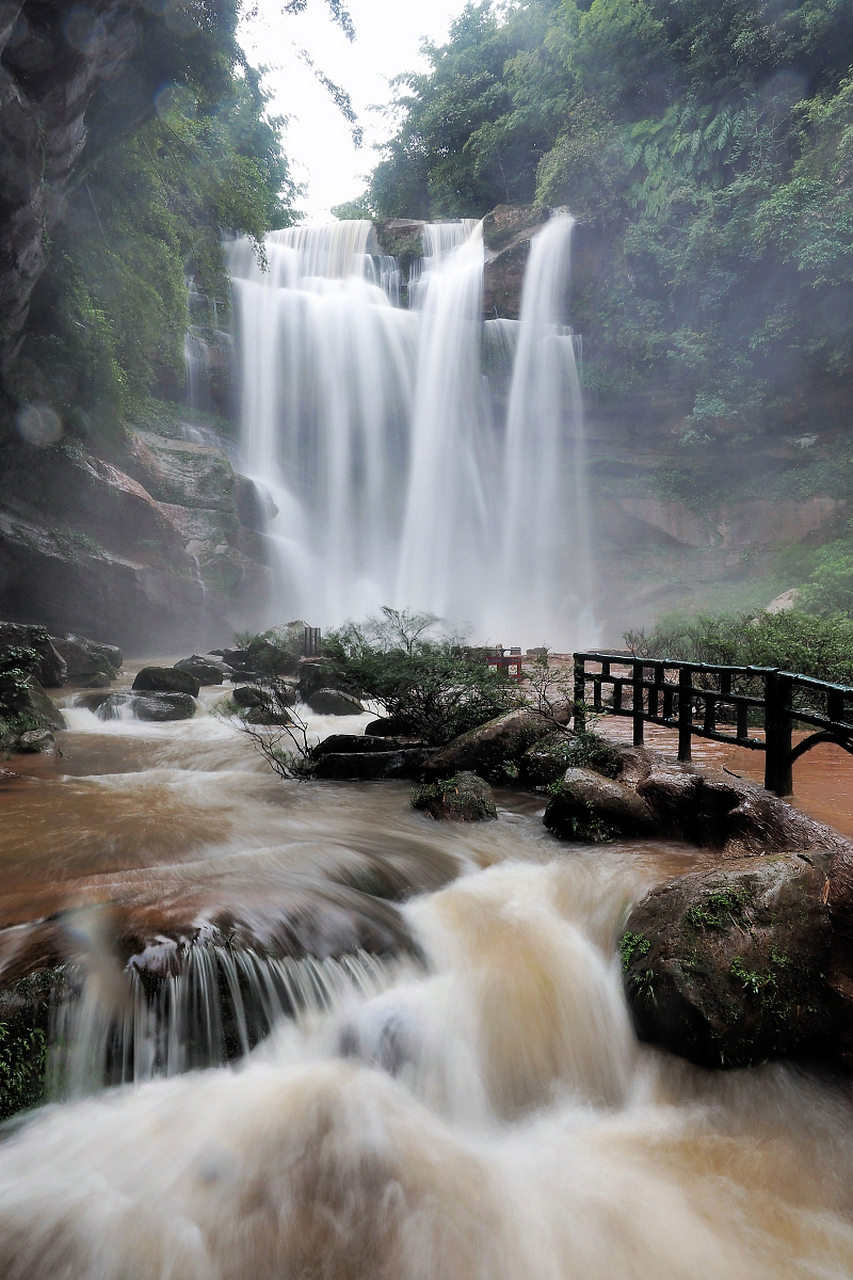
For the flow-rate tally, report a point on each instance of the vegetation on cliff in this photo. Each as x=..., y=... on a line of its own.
x=178, y=149
x=707, y=151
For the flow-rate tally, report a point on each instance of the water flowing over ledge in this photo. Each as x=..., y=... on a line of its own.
x=418, y=456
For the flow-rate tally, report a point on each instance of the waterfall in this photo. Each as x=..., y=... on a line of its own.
x=400, y=477
x=219, y=1004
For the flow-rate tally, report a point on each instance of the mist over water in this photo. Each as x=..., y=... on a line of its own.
x=419, y=457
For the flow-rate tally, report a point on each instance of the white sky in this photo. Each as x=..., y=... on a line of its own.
x=317, y=140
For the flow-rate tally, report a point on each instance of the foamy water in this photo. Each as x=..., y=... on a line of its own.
x=483, y=1113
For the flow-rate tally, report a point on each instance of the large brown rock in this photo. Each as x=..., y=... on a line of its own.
x=492, y=746
x=717, y=810
x=46, y=577
x=729, y=966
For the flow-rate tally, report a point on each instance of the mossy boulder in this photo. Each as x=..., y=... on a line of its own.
x=465, y=797
x=587, y=807
x=28, y=717
x=726, y=967
x=42, y=658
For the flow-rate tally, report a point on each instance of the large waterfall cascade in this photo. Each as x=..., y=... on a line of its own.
x=419, y=457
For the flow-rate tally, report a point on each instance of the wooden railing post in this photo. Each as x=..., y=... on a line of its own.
x=685, y=712
x=778, y=775
x=580, y=695
x=638, y=704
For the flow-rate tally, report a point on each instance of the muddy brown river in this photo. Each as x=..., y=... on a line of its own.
x=476, y=1109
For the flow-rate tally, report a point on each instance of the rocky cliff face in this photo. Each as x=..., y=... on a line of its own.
x=53, y=58
x=152, y=553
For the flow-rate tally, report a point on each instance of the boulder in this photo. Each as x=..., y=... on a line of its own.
x=260, y=705
x=546, y=761
x=465, y=797
x=48, y=666
x=109, y=652
x=726, y=967
x=717, y=810
x=334, y=702
x=358, y=744
x=28, y=717
x=385, y=727
x=87, y=665
x=201, y=669
x=165, y=680
x=152, y=706
x=163, y=706
x=367, y=765
x=487, y=749
x=587, y=807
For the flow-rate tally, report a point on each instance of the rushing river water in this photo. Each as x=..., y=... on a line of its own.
x=476, y=1108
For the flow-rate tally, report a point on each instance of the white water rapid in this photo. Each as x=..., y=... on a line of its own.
x=475, y=1108
x=410, y=470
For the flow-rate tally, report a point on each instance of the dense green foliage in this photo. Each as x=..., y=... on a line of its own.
x=22, y=1066
x=431, y=687
x=179, y=151
x=708, y=151
x=803, y=643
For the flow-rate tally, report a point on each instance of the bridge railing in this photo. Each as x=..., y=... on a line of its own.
x=752, y=707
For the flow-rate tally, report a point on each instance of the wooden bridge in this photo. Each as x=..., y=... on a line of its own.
x=753, y=707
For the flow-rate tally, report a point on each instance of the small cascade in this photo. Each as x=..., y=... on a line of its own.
x=208, y=354
x=219, y=1004
x=404, y=469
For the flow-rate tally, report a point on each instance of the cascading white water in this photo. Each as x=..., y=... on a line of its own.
x=544, y=480
x=397, y=479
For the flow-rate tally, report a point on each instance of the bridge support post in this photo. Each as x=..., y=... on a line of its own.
x=637, y=702
x=685, y=712
x=580, y=695
x=778, y=772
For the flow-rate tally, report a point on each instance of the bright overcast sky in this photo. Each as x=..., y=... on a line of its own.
x=318, y=141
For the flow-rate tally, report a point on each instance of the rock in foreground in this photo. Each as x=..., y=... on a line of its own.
x=728, y=967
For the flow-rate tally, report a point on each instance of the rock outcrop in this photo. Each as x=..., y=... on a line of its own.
x=507, y=232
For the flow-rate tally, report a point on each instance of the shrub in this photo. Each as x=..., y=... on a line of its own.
x=430, y=686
